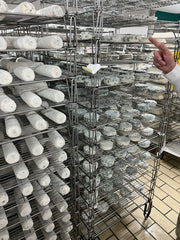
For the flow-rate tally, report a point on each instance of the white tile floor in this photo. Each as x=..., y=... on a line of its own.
x=166, y=206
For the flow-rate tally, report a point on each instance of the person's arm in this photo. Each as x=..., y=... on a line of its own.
x=174, y=77
x=164, y=61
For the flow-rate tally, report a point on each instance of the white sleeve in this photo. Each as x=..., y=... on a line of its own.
x=174, y=77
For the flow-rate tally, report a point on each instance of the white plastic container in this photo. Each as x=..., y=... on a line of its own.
x=56, y=139
x=55, y=115
x=37, y=121
x=3, y=196
x=24, y=73
x=11, y=154
x=31, y=99
x=34, y=146
x=13, y=128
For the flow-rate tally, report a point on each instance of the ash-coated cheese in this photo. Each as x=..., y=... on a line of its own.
x=109, y=131
x=112, y=114
x=125, y=127
x=135, y=137
x=147, y=131
x=106, y=173
x=106, y=145
x=144, y=143
x=107, y=160
x=122, y=141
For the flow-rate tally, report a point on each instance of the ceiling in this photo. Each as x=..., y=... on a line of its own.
x=170, y=9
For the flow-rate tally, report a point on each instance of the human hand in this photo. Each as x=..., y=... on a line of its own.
x=163, y=58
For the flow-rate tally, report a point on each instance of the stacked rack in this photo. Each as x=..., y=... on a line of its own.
x=122, y=124
x=35, y=185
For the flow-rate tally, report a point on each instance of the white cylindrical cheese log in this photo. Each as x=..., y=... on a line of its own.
x=52, y=95
x=7, y=105
x=31, y=99
x=24, y=73
x=62, y=171
x=23, y=205
x=11, y=154
x=26, y=222
x=37, y=121
x=58, y=156
x=5, y=77
x=55, y=115
x=50, y=235
x=40, y=195
x=54, y=42
x=41, y=162
x=56, y=139
x=13, y=128
x=34, y=146
x=11, y=66
x=51, y=71
x=43, y=179
x=3, y=43
x=20, y=170
x=24, y=8
x=65, y=217
x=30, y=235
x=65, y=227
x=59, y=185
x=25, y=187
x=51, y=11
x=65, y=236
x=4, y=234
x=58, y=200
x=3, y=6
x=45, y=212
x=25, y=42
x=48, y=225
x=3, y=197
x=3, y=218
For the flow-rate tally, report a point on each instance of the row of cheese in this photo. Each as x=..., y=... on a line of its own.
x=29, y=8
x=31, y=43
